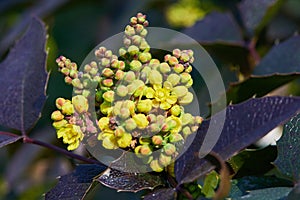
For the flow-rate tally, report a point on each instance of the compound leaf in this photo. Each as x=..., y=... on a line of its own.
x=23, y=80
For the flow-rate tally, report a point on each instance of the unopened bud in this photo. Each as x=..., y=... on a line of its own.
x=108, y=82
x=186, y=99
x=125, y=140
x=173, y=79
x=168, y=85
x=122, y=52
x=67, y=108
x=129, y=76
x=155, y=77
x=194, y=128
x=185, y=77
x=130, y=124
x=107, y=72
x=122, y=91
x=135, y=65
x=145, y=57
x=154, y=128
x=155, y=166
x=180, y=91
x=77, y=83
x=73, y=73
x=173, y=138
x=145, y=150
x=189, y=69
x=164, y=160
x=141, y=121
x=186, y=119
x=175, y=110
x=119, y=74
x=80, y=103
x=173, y=60
x=176, y=53
x=144, y=33
x=169, y=149
x=57, y=115
x=184, y=57
x=154, y=63
x=151, y=118
x=105, y=107
x=189, y=83
x=164, y=68
x=105, y=62
x=129, y=30
x=109, y=96
x=186, y=131
x=157, y=140
x=68, y=80
x=144, y=106
x=124, y=113
x=144, y=46
x=178, y=68
x=133, y=50
x=136, y=40
x=65, y=71
x=119, y=132
x=198, y=119
x=59, y=124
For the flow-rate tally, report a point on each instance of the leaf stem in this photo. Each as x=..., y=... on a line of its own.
x=254, y=54
x=60, y=150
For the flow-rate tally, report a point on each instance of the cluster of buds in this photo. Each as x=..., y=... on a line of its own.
x=140, y=100
x=67, y=68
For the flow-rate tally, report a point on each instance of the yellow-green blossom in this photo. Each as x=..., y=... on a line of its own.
x=140, y=120
x=162, y=97
x=71, y=134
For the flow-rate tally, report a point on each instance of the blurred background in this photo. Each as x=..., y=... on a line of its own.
x=75, y=27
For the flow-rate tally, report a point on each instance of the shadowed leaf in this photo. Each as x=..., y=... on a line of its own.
x=8, y=138
x=266, y=194
x=295, y=193
x=23, y=79
x=76, y=184
x=244, y=124
x=131, y=182
x=257, y=13
x=283, y=58
x=161, y=194
x=288, y=160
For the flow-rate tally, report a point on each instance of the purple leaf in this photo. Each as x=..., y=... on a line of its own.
x=282, y=58
x=76, y=184
x=288, y=160
x=23, y=80
x=130, y=182
x=8, y=138
x=161, y=194
x=245, y=123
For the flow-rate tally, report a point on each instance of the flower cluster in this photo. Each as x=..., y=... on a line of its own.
x=139, y=100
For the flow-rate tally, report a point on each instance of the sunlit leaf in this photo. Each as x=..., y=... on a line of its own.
x=288, y=160
x=131, y=182
x=282, y=58
x=23, y=78
x=76, y=184
x=8, y=138
x=245, y=123
x=161, y=194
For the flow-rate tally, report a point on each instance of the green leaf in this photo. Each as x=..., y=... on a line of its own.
x=161, y=194
x=23, y=80
x=282, y=58
x=266, y=194
x=76, y=184
x=210, y=183
x=130, y=182
x=244, y=124
x=295, y=193
x=8, y=138
x=241, y=91
x=288, y=160
x=257, y=13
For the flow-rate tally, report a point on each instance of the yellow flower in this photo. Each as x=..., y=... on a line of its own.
x=162, y=97
x=103, y=123
x=108, y=140
x=80, y=103
x=144, y=106
x=140, y=120
x=67, y=108
x=72, y=135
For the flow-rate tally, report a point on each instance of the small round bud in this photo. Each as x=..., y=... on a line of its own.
x=68, y=80
x=186, y=119
x=67, y=108
x=184, y=57
x=144, y=106
x=77, y=83
x=145, y=150
x=169, y=149
x=194, y=128
x=145, y=57
x=133, y=20
x=119, y=132
x=173, y=60
x=125, y=140
x=189, y=69
x=122, y=52
x=129, y=30
x=139, y=28
x=151, y=118
x=109, y=96
x=108, y=82
x=144, y=46
x=73, y=73
x=130, y=124
x=154, y=63
x=65, y=71
x=119, y=74
x=121, y=65
x=186, y=131
x=185, y=77
x=175, y=110
x=154, y=128
x=109, y=142
x=155, y=77
x=157, y=140
x=105, y=107
x=122, y=91
x=57, y=116
x=164, y=160
x=155, y=166
x=59, y=124
x=175, y=138
x=173, y=79
x=136, y=40
x=176, y=53
x=189, y=83
x=105, y=62
x=198, y=119
x=129, y=76
x=144, y=33
x=178, y=68
x=141, y=121
x=133, y=50
x=80, y=103
x=59, y=102
x=186, y=99
x=86, y=93
x=107, y=72
x=164, y=68
x=168, y=85
x=135, y=65
x=180, y=91
x=124, y=113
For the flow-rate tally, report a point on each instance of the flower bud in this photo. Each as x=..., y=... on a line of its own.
x=189, y=69
x=59, y=124
x=109, y=96
x=144, y=33
x=141, y=121
x=145, y=150
x=186, y=119
x=108, y=53
x=108, y=82
x=164, y=160
x=137, y=86
x=119, y=132
x=176, y=53
x=135, y=65
x=154, y=128
x=86, y=93
x=189, y=83
x=77, y=83
x=125, y=140
x=122, y=52
x=107, y=72
x=186, y=131
x=133, y=50
x=173, y=60
x=144, y=46
x=139, y=28
x=174, y=79
x=184, y=57
x=80, y=103
x=198, y=119
x=168, y=85
x=173, y=138
x=119, y=74
x=136, y=40
x=151, y=118
x=178, y=68
x=169, y=149
x=109, y=142
x=175, y=110
x=124, y=113
x=122, y=91
x=57, y=116
x=103, y=123
x=130, y=105
x=129, y=30
x=187, y=99
x=105, y=107
x=155, y=166
x=145, y=57
x=59, y=102
x=185, y=77
x=164, y=68
x=194, y=128
x=67, y=108
x=105, y=62
x=73, y=73
x=154, y=63
x=180, y=91
x=130, y=124
x=68, y=80
x=160, y=119
x=65, y=71
x=155, y=77
x=157, y=140
x=133, y=20
x=144, y=106
x=129, y=76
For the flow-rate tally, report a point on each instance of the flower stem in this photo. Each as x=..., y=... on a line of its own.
x=60, y=150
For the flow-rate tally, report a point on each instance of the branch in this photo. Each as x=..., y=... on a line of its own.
x=60, y=150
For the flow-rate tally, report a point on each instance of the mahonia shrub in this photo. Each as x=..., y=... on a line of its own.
x=139, y=101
